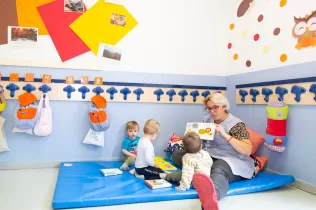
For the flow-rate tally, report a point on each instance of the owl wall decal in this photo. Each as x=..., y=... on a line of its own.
x=304, y=31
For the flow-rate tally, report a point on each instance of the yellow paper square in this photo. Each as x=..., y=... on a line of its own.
x=28, y=16
x=94, y=26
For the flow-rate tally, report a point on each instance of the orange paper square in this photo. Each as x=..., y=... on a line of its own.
x=29, y=77
x=84, y=80
x=98, y=81
x=70, y=80
x=47, y=78
x=14, y=77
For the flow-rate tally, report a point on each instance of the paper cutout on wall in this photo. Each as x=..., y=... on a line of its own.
x=304, y=31
x=95, y=26
x=8, y=17
x=67, y=43
x=28, y=15
x=244, y=6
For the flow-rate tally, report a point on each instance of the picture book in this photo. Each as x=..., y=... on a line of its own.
x=164, y=165
x=111, y=172
x=206, y=131
x=157, y=183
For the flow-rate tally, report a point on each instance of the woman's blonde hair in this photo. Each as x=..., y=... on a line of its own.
x=218, y=99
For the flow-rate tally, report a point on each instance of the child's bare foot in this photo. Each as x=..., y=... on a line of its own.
x=162, y=175
x=124, y=167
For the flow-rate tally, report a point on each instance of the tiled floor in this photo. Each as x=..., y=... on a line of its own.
x=34, y=189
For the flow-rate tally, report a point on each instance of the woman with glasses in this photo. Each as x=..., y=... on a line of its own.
x=230, y=151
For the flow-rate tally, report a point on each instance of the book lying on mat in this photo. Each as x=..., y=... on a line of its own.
x=164, y=165
x=111, y=172
x=157, y=183
x=206, y=131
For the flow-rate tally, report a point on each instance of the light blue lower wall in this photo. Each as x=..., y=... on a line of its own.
x=70, y=119
x=299, y=159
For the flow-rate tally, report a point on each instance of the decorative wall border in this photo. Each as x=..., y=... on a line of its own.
x=112, y=91
x=301, y=91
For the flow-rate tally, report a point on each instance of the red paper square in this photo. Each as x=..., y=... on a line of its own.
x=67, y=43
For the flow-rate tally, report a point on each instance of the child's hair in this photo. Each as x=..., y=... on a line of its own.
x=192, y=142
x=151, y=127
x=132, y=125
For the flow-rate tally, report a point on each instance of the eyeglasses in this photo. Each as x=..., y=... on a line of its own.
x=213, y=108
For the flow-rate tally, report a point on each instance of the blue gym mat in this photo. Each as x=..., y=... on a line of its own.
x=81, y=184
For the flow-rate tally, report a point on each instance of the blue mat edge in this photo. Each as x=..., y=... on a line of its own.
x=287, y=179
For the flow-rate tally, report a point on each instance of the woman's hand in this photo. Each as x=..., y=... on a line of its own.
x=221, y=130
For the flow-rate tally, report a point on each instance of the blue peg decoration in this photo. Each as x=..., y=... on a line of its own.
x=297, y=90
x=69, y=89
x=44, y=88
x=243, y=94
x=158, y=93
x=194, y=94
x=138, y=92
x=125, y=92
x=254, y=94
x=171, y=93
x=206, y=93
x=12, y=88
x=183, y=94
x=281, y=92
x=29, y=88
x=98, y=90
x=83, y=90
x=111, y=91
x=266, y=92
x=312, y=89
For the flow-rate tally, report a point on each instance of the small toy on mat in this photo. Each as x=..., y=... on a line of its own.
x=164, y=165
x=111, y=172
x=157, y=183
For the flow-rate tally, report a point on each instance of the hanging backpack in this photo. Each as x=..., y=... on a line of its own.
x=97, y=114
x=26, y=113
x=44, y=124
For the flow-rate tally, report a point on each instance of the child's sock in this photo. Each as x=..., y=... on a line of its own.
x=132, y=171
x=124, y=167
x=162, y=175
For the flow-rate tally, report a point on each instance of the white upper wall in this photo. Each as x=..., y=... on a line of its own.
x=274, y=16
x=177, y=37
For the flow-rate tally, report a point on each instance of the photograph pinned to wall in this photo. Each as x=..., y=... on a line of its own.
x=109, y=51
x=304, y=30
x=22, y=35
x=73, y=6
x=117, y=19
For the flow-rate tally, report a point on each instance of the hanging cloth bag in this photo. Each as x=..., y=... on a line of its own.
x=44, y=125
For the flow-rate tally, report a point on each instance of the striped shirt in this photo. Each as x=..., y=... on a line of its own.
x=192, y=163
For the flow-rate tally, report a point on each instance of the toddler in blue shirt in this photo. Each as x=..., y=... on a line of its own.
x=129, y=146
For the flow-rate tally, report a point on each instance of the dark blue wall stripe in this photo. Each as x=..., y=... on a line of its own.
x=278, y=82
x=130, y=84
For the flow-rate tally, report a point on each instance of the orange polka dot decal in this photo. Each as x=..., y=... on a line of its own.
x=283, y=57
x=283, y=3
x=235, y=56
x=232, y=26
